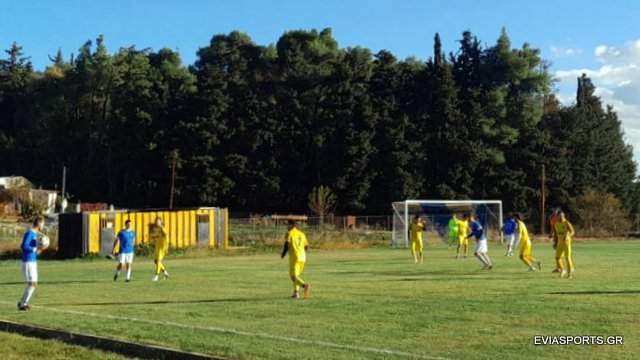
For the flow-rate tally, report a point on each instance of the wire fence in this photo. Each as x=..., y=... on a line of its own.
x=269, y=231
x=332, y=231
x=11, y=234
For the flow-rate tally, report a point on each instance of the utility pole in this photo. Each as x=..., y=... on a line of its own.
x=64, y=181
x=63, y=203
x=174, y=159
x=542, y=200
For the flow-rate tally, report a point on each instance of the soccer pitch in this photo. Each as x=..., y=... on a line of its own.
x=366, y=304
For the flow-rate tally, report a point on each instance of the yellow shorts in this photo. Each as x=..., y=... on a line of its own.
x=296, y=268
x=416, y=245
x=563, y=249
x=525, y=248
x=463, y=240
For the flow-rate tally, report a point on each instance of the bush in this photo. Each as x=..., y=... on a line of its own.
x=27, y=205
x=144, y=249
x=601, y=214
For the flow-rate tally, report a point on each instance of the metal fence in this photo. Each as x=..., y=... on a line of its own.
x=17, y=229
x=269, y=231
x=11, y=235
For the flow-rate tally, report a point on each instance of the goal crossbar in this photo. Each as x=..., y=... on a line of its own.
x=455, y=202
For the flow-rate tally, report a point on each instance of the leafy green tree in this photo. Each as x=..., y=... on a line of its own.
x=322, y=201
x=600, y=158
x=16, y=75
x=257, y=128
x=446, y=168
x=396, y=139
x=305, y=64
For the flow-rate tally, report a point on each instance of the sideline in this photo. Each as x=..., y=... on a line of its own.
x=129, y=349
x=320, y=343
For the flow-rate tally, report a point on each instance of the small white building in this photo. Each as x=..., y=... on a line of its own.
x=45, y=197
x=14, y=182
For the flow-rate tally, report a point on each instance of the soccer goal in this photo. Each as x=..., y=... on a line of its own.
x=437, y=214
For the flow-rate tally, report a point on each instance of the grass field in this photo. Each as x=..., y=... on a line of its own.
x=366, y=304
x=16, y=347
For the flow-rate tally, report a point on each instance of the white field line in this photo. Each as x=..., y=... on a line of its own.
x=327, y=344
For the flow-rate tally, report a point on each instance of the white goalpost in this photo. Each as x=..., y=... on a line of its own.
x=437, y=214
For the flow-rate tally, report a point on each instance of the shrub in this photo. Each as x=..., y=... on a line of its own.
x=144, y=249
x=601, y=214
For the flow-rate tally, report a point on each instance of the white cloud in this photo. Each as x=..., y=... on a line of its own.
x=617, y=82
x=600, y=50
x=559, y=51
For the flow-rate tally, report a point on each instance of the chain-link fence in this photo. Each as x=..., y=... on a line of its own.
x=11, y=234
x=355, y=231
x=270, y=231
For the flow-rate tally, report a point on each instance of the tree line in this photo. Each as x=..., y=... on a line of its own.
x=257, y=127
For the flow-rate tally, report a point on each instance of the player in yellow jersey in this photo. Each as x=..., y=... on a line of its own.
x=553, y=219
x=416, y=229
x=453, y=229
x=296, y=244
x=160, y=239
x=525, y=245
x=463, y=240
x=564, y=232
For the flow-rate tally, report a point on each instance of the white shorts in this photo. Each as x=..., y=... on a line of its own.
x=30, y=271
x=481, y=246
x=510, y=239
x=125, y=258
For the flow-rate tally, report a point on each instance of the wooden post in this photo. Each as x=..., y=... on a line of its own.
x=542, y=201
x=174, y=159
x=64, y=181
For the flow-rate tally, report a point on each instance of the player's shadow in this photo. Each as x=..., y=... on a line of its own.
x=453, y=277
x=167, y=302
x=596, y=292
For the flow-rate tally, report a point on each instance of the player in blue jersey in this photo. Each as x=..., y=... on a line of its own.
x=127, y=238
x=30, y=253
x=481, y=250
x=509, y=229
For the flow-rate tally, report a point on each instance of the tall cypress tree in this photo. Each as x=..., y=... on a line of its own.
x=396, y=137
x=445, y=169
x=257, y=127
x=602, y=161
x=16, y=74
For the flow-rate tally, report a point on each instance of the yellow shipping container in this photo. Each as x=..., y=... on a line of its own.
x=95, y=231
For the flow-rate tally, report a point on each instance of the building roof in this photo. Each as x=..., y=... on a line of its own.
x=9, y=182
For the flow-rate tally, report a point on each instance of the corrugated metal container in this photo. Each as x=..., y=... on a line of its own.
x=95, y=231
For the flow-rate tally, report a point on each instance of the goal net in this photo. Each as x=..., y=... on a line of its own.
x=437, y=214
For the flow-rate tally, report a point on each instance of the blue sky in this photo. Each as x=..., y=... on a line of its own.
x=404, y=27
x=597, y=37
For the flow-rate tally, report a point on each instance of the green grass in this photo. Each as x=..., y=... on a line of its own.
x=16, y=347
x=369, y=298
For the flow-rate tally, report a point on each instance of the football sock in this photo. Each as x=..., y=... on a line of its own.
x=28, y=292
